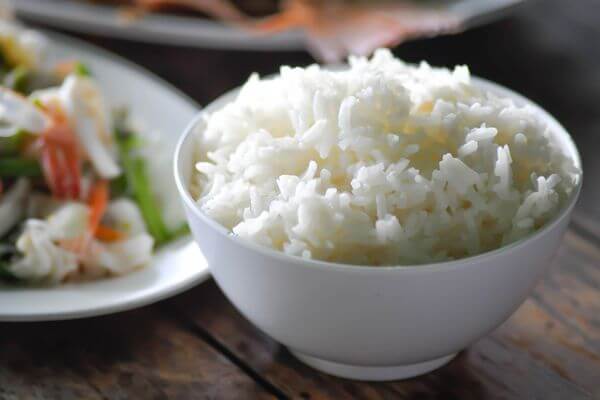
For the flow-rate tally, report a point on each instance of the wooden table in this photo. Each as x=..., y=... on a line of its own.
x=197, y=345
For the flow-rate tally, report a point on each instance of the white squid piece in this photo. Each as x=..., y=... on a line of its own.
x=132, y=252
x=17, y=113
x=82, y=102
x=125, y=255
x=124, y=215
x=43, y=259
x=85, y=107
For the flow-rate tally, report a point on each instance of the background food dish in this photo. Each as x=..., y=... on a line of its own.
x=193, y=31
x=79, y=199
x=175, y=267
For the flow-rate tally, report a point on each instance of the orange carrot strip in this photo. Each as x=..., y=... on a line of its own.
x=98, y=201
x=107, y=234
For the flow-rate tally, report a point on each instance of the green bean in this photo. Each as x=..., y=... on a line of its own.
x=139, y=186
x=146, y=200
x=137, y=180
x=17, y=167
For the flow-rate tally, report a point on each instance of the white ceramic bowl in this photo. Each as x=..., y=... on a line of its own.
x=372, y=323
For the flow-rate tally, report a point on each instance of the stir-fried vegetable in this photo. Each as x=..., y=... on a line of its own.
x=76, y=198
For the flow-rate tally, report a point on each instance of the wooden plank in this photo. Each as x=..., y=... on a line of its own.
x=36, y=371
x=549, y=349
x=135, y=355
x=560, y=324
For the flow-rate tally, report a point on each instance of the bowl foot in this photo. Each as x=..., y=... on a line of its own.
x=368, y=373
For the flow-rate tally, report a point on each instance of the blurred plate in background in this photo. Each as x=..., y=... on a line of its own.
x=196, y=31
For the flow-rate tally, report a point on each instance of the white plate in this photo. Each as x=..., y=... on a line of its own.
x=177, y=266
x=201, y=32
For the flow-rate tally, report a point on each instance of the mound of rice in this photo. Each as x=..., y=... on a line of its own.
x=381, y=164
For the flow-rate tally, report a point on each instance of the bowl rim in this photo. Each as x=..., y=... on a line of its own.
x=485, y=84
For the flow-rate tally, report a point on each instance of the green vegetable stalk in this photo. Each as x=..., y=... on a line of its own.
x=14, y=167
x=137, y=180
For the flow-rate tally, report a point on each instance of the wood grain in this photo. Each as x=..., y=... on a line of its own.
x=549, y=349
x=140, y=354
x=27, y=375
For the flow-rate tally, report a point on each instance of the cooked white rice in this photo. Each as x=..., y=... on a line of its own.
x=382, y=164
